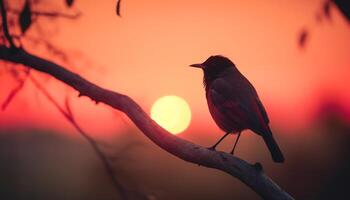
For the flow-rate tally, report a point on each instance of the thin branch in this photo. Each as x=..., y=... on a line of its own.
x=51, y=48
x=15, y=91
x=183, y=149
x=5, y=25
x=70, y=117
x=67, y=114
x=48, y=14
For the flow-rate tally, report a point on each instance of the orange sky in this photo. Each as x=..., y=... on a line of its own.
x=146, y=54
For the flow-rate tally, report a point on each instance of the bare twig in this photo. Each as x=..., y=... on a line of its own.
x=5, y=25
x=181, y=148
x=18, y=88
x=15, y=91
x=70, y=117
x=49, y=14
x=50, y=47
x=67, y=114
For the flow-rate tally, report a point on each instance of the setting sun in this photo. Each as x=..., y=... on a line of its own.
x=172, y=113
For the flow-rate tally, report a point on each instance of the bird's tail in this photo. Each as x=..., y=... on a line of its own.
x=275, y=151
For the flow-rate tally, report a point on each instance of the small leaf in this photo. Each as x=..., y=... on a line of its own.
x=25, y=17
x=118, y=8
x=303, y=38
x=69, y=3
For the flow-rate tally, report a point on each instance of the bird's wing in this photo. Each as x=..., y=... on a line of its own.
x=262, y=110
x=239, y=104
x=257, y=100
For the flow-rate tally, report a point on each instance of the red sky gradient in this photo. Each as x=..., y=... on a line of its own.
x=146, y=53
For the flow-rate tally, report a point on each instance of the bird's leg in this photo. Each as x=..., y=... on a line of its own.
x=234, y=146
x=216, y=144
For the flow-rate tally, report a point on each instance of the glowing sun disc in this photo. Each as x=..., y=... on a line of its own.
x=172, y=113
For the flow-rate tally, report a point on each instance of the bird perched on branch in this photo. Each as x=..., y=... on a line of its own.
x=234, y=103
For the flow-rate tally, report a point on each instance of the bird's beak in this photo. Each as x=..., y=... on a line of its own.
x=197, y=65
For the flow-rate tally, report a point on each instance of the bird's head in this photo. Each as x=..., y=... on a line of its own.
x=214, y=65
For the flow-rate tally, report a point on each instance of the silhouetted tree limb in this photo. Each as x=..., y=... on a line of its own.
x=185, y=150
x=68, y=114
x=52, y=14
x=249, y=174
x=5, y=25
x=26, y=15
x=15, y=90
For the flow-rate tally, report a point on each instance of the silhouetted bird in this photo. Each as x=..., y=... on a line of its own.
x=234, y=103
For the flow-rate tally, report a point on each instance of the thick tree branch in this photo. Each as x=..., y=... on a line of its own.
x=181, y=148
